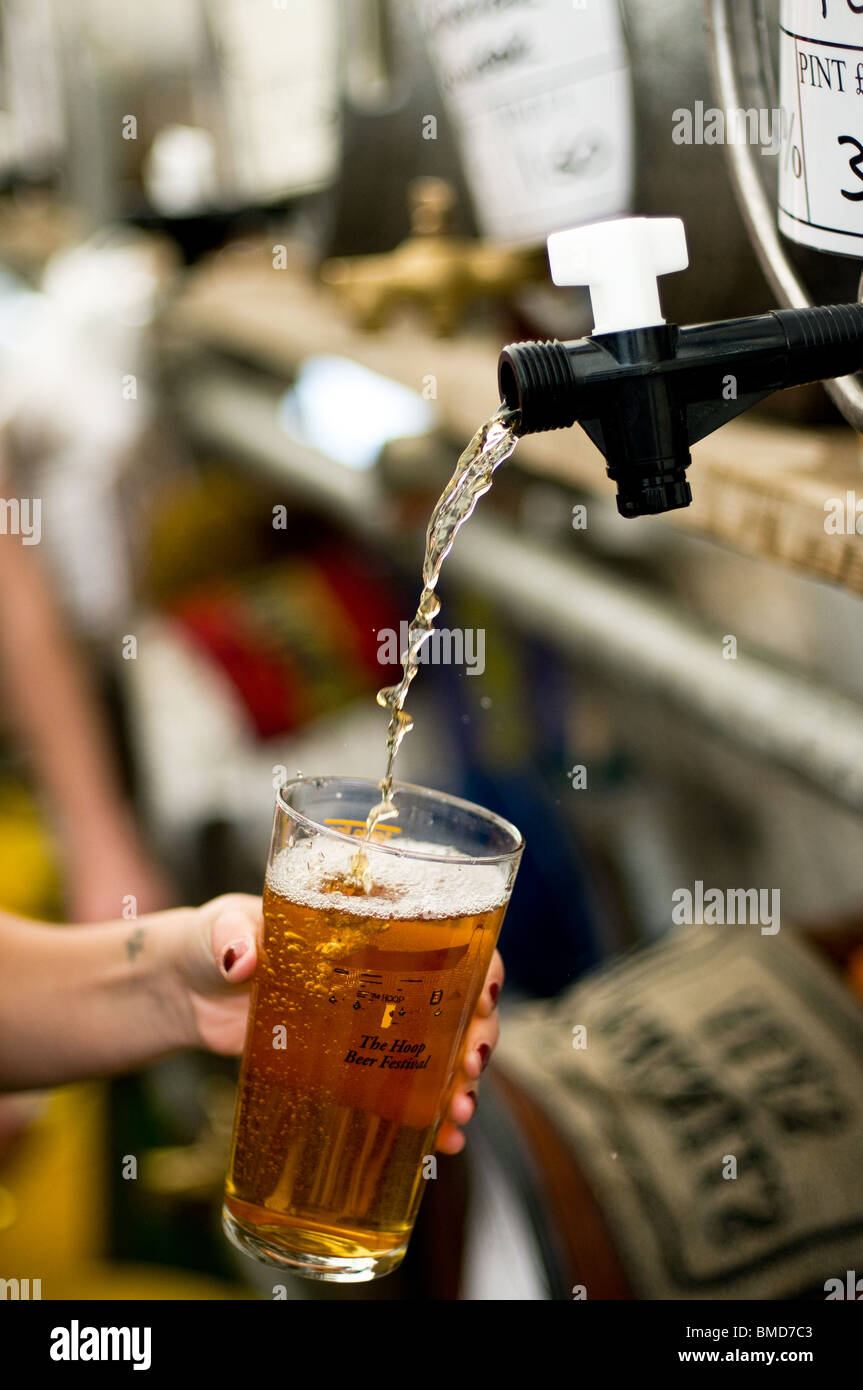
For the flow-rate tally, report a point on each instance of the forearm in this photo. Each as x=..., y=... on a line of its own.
x=89, y=1001
x=52, y=704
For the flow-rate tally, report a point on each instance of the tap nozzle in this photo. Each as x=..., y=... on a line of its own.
x=645, y=390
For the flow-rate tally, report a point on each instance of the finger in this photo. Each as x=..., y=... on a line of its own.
x=482, y=1039
x=463, y=1104
x=487, y=1002
x=450, y=1139
x=464, y=1101
x=229, y=928
x=234, y=945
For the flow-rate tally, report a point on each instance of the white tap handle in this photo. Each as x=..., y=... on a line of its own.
x=620, y=260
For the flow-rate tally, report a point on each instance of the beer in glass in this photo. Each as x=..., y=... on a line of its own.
x=365, y=986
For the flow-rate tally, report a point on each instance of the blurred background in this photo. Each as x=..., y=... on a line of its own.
x=257, y=262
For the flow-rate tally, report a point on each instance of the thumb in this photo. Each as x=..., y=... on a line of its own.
x=229, y=930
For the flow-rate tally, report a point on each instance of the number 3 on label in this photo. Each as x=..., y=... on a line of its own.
x=855, y=161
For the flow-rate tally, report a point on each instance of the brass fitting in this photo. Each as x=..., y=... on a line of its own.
x=439, y=272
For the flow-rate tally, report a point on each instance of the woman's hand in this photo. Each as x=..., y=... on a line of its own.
x=217, y=960
x=480, y=1041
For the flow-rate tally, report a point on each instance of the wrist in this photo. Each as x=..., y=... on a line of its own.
x=155, y=947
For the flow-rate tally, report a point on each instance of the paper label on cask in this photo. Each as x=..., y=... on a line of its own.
x=540, y=93
x=821, y=160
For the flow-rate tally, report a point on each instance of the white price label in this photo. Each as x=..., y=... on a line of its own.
x=821, y=165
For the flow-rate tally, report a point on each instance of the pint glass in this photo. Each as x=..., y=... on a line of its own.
x=360, y=1004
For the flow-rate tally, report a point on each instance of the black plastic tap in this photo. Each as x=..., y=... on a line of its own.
x=645, y=390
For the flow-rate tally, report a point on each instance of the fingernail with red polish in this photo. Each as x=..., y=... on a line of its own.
x=233, y=952
x=484, y=1054
x=494, y=991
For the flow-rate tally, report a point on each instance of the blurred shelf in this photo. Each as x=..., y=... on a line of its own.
x=242, y=414
x=760, y=486
x=34, y=224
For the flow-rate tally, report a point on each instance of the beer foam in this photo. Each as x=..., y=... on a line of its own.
x=401, y=887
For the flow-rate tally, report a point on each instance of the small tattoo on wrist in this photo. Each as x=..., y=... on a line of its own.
x=135, y=942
